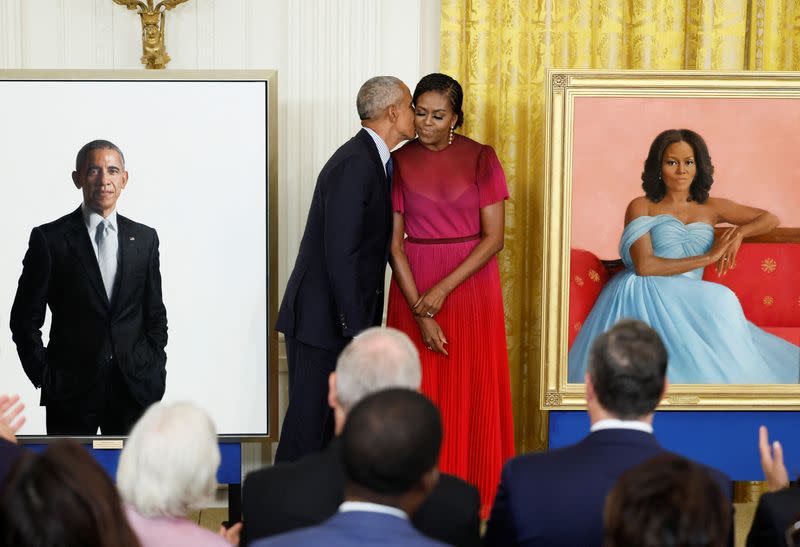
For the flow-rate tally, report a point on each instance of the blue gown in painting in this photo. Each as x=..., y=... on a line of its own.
x=702, y=323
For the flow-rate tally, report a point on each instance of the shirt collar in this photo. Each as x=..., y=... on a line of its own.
x=383, y=149
x=369, y=507
x=92, y=218
x=622, y=424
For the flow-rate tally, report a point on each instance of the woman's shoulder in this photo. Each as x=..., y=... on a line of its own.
x=638, y=207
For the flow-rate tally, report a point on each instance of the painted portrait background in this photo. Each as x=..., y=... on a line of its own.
x=754, y=144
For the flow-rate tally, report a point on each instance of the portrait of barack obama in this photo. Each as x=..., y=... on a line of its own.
x=98, y=272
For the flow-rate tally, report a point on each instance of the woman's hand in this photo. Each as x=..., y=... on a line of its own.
x=432, y=335
x=717, y=250
x=430, y=302
x=728, y=259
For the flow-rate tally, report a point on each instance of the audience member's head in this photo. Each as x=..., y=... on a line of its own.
x=626, y=376
x=376, y=359
x=62, y=497
x=390, y=449
x=169, y=464
x=667, y=500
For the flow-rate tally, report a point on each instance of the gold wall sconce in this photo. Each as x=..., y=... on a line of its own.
x=154, y=52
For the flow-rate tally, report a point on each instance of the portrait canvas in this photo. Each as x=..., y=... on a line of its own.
x=200, y=150
x=600, y=128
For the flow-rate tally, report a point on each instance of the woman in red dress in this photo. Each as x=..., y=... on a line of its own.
x=448, y=194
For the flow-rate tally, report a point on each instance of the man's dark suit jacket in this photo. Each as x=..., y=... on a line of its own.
x=361, y=528
x=336, y=288
x=776, y=511
x=60, y=270
x=556, y=498
x=295, y=495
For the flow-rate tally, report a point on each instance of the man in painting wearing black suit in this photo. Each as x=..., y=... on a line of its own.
x=99, y=274
x=295, y=495
x=336, y=288
x=556, y=498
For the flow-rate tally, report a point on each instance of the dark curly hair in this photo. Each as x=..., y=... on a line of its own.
x=653, y=185
x=443, y=84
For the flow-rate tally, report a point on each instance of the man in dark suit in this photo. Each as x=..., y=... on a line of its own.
x=556, y=498
x=390, y=447
x=336, y=288
x=778, y=509
x=294, y=495
x=99, y=274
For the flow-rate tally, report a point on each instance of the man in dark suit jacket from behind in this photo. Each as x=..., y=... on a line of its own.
x=556, y=498
x=99, y=274
x=288, y=496
x=336, y=287
x=390, y=449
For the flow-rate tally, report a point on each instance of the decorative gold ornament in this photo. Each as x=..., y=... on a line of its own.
x=154, y=52
x=768, y=300
x=579, y=281
x=594, y=276
x=769, y=265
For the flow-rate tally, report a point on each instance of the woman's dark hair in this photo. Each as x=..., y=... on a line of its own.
x=653, y=185
x=443, y=84
x=62, y=497
x=667, y=500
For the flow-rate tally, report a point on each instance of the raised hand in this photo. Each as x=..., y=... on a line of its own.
x=772, y=461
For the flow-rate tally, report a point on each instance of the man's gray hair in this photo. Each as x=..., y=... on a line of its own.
x=376, y=359
x=169, y=464
x=377, y=94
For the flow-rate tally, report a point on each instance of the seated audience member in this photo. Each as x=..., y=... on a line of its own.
x=62, y=497
x=168, y=468
x=304, y=493
x=11, y=421
x=390, y=448
x=779, y=508
x=667, y=500
x=556, y=497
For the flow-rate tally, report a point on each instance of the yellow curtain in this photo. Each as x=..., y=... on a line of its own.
x=499, y=50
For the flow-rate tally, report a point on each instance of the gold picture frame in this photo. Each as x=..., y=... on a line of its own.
x=679, y=90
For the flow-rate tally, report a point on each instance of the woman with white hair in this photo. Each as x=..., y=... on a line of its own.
x=168, y=468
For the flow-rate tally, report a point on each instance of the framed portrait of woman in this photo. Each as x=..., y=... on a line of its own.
x=729, y=314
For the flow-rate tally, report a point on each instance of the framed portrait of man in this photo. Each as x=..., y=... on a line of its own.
x=732, y=331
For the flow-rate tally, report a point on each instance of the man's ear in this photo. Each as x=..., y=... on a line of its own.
x=664, y=390
x=392, y=113
x=124, y=180
x=332, y=401
x=76, y=179
x=429, y=480
x=589, y=388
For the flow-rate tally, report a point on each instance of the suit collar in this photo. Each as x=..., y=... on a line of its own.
x=621, y=436
x=78, y=240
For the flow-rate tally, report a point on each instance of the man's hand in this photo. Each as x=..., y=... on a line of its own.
x=10, y=419
x=232, y=534
x=772, y=461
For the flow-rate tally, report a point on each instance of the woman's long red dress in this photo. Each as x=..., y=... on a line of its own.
x=440, y=195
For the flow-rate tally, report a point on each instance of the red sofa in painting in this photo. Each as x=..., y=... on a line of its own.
x=766, y=280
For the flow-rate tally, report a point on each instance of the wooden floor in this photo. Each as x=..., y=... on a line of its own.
x=743, y=518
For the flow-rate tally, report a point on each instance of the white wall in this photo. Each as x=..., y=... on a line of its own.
x=323, y=50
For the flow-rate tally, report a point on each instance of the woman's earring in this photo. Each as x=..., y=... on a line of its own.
x=452, y=131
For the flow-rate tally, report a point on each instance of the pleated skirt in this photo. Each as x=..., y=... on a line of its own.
x=470, y=387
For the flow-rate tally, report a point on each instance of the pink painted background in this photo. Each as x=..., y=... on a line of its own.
x=754, y=146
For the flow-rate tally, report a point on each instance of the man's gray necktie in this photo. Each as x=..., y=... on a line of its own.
x=106, y=255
